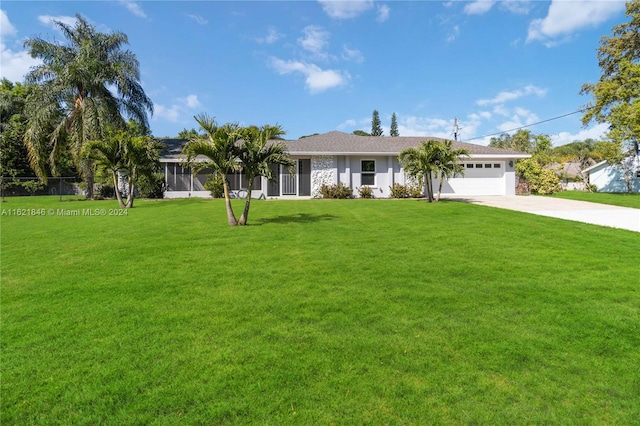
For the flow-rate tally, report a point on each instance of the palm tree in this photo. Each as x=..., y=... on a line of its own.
x=82, y=87
x=219, y=146
x=107, y=154
x=141, y=156
x=449, y=163
x=257, y=152
x=421, y=163
x=124, y=156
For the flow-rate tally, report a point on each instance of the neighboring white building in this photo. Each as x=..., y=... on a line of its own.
x=613, y=177
x=354, y=161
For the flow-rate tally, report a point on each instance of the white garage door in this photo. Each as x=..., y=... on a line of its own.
x=480, y=178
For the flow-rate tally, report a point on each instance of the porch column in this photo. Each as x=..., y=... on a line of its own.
x=347, y=170
x=390, y=171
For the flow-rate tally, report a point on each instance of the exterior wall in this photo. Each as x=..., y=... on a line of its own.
x=324, y=171
x=610, y=178
x=331, y=170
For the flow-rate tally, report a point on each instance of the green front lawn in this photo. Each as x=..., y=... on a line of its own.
x=616, y=199
x=319, y=312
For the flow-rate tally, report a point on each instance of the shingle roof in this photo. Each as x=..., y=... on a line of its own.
x=344, y=143
x=339, y=143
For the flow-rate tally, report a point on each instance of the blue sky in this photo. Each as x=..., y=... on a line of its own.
x=317, y=66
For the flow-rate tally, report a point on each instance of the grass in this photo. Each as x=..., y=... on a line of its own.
x=319, y=312
x=616, y=199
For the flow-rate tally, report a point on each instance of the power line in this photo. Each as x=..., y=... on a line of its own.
x=530, y=125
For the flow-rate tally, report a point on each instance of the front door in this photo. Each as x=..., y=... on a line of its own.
x=304, y=173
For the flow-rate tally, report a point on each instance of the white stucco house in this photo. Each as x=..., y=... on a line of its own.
x=609, y=177
x=354, y=161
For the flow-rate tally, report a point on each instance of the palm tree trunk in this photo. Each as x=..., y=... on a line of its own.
x=89, y=178
x=231, y=218
x=132, y=188
x=117, y=190
x=440, y=187
x=429, y=180
x=247, y=204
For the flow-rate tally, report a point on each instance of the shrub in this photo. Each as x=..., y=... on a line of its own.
x=214, y=185
x=541, y=181
x=402, y=191
x=336, y=191
x=399, y=191
x=365, y=192
x=105, y=190
x=151, y=186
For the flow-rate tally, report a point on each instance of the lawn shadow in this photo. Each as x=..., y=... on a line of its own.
x=295, y=218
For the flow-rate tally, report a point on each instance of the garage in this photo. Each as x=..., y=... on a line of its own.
x=480, y=178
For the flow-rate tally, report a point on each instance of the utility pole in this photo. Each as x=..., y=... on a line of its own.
x=456, y=129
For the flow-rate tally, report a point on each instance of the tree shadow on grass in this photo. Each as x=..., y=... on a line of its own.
x=295, y=218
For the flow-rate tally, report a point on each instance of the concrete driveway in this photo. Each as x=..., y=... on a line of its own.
x=579, y=211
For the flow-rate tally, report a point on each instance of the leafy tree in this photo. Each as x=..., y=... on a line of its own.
x=394, y=126
x=616, y=96
x=421, y=163
x=83, y=87
x=376, y=128
x=13, y=152
x=361, y=133
x=306, y=136
x=219, y=146
x=188, y=134
x=520, y=141
x=259, y=149
x=449, y=163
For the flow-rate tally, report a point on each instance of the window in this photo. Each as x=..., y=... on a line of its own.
x=469, y=166
x=487, y=166
x=478, y=166
x=496, y=166
x=368, y=172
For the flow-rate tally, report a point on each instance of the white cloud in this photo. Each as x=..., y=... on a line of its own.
x=48, y=20
x=272, y=36
x=520, y=117
x=503, y=97
x=15, y=64
x=345, y=9
x=317, y=80
x=567, y=17
x=520, y=7
x=315, y=40
x=199, y=19
x=134, y=8
x=5, y=26
x=171, y=113
x=478, y=7
x=425, y=126
x=191, y=101
x=177, y=110
x=383, y=13
x=352, y=54
x=596, y=132
x=455, y=32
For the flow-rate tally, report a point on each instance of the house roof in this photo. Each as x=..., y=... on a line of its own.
x=340, y=143
x=344, y=143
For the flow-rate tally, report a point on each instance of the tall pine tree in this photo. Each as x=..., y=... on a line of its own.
x=394, y=126
x=376, y=128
